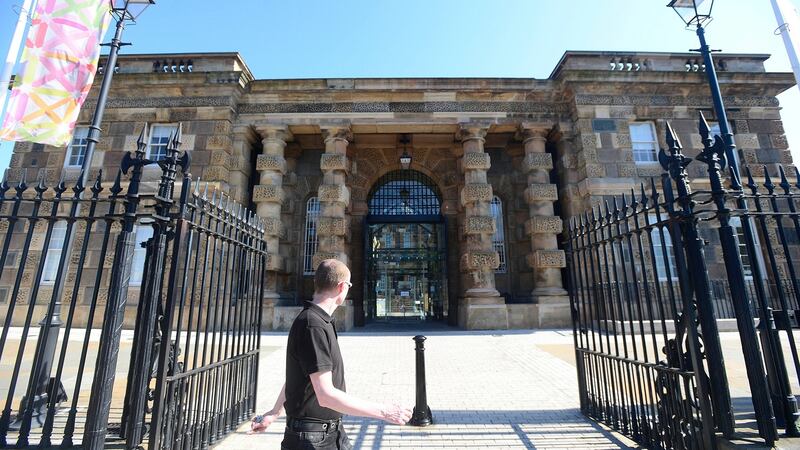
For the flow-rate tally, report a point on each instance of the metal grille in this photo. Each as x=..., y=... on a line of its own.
x=499, y=238
x=404, y=193
x=310, y=242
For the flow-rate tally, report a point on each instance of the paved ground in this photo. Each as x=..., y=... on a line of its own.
x=486, y=390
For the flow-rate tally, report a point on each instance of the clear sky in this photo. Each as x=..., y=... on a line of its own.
x=438, y=38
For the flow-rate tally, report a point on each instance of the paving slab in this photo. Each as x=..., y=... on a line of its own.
x=485, y=389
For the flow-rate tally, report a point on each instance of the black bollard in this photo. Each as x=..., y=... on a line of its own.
x=422, y=413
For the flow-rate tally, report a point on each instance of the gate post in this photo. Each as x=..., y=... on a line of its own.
x=713, y=155
x=108, y=352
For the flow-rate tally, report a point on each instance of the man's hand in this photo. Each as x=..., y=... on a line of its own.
x=259, y=424
x=396, y=414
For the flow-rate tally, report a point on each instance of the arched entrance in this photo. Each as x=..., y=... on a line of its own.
x=405, y=248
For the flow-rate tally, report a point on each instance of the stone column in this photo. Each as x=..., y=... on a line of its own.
x=481, y=306
x=268, y=197
x=334, y=196
x=544, y=227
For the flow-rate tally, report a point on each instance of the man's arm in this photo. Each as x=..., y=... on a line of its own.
x=270, y=416
x=338, y=400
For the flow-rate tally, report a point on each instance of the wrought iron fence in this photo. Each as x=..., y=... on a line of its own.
x=645, y=302
x=71, y=265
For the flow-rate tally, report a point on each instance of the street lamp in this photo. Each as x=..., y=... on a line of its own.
x=693, y=11
x=697, y=13
x=405, y=158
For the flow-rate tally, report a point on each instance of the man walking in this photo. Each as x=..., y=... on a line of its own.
x=314, y=394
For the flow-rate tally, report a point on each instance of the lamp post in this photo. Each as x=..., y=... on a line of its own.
x=782, y=402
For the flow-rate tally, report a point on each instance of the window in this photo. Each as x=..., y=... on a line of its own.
x=143, y=233
x=58, y=238
x=77, y=147
x=659, y=251
x=498, y=240
x=643, y=141
x=736, y=223
x=310, y=242
x=159, y=140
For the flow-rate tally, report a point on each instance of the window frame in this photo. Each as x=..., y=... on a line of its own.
x=170, y=130
x=82, y=134
x=654, y=142
x=499, y=236
x=50, y=267
x=310, y=238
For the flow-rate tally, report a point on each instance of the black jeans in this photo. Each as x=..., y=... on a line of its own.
x=333, y=439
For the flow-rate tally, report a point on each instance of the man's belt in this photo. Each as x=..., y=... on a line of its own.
x=307, y=424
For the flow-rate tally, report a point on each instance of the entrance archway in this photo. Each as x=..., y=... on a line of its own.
x=405, y=250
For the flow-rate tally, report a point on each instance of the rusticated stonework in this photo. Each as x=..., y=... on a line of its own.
x=327, y=226
x=271, y=162
x=477, y=260
x=547, y=258
x=274, y=262
x=268, y=193
x=541, y=192
x=480, y=224
x=273, y=226
x=474, y=161
x=332, y=161
x=544, y=224
x=533, y=161
x=334, y=193
x=471, y=193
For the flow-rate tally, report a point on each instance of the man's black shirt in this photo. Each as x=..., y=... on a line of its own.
x=312, y=347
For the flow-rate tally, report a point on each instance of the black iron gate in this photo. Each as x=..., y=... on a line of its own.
x=187, y=373
x=645, y=301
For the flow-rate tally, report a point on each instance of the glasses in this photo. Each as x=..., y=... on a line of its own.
x=349, y=284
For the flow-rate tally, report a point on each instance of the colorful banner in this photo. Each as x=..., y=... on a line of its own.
x=56, y=70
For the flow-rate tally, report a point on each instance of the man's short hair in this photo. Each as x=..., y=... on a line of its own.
x=330, y=273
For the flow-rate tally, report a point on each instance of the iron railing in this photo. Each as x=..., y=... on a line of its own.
x=645, y=305
x=67, y=255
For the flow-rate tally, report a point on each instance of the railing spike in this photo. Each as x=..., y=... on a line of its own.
x=608, y=211
x=768, y=181
x=784, y=184
x=797, y=177
x=624, y=203
x=78, y=187
x=616, y=205
x=653, y=191
x=644, y=195
x=703, y=128
x=196, y=191
x=97, y=186
x=116, y=188
x=144, y=137
x=634, y=202
x=672, y=138
x=177, y=140
x=751, y=183
x=213, y=195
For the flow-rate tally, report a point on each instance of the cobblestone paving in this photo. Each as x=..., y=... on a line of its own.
x=485, y=390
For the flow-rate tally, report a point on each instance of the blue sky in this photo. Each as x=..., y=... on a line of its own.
x=438, y=38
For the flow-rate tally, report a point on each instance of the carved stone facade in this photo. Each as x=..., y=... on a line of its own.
x=544, y=149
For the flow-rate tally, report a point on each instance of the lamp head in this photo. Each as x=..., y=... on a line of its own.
x=405, y=158
x=129, y=9
x=693, y=12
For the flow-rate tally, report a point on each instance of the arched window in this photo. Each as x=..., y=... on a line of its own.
x=499, y=239
x=310, y=242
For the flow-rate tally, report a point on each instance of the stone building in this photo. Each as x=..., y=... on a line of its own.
x=469, y=230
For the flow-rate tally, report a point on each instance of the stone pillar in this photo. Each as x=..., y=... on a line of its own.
x=268, y=197
x=481, y=305
x=334, y=196
x=544, y=227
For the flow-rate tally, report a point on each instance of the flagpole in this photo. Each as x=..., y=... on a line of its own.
x=13, y=52
x=787, y=19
